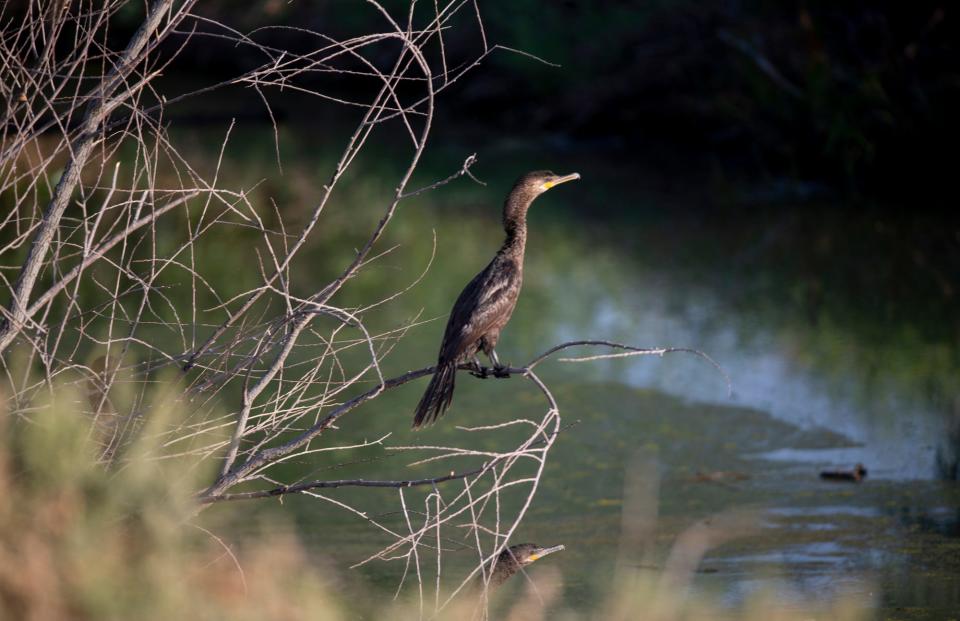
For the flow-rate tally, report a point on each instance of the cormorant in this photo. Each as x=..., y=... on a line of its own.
x=516, y=557
x=486, y=303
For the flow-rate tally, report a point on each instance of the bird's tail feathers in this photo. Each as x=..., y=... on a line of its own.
x=438, y=396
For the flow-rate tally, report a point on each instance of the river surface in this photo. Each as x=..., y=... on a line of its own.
x=823, y=377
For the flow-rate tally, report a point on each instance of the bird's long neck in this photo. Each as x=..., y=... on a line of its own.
x=515, y=225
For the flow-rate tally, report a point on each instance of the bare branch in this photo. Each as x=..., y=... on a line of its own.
x=98, y=109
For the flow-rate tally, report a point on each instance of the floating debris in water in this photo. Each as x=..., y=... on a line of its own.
x=856, y=475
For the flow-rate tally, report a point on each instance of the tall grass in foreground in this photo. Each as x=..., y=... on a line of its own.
x=78, y=541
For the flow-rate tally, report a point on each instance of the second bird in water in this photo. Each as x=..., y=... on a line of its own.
x=486, y=303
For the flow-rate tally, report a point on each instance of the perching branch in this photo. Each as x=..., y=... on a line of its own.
x=264, y=458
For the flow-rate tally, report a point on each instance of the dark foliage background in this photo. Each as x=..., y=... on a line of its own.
x=856, y=97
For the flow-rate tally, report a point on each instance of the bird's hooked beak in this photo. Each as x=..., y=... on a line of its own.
x=558, y=180
x=545, y=551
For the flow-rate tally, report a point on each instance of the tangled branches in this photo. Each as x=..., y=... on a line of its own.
x=112, y=291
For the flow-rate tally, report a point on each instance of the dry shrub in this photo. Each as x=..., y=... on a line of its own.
x=80, y=541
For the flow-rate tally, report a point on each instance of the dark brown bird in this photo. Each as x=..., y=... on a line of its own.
x=486, y=303
x=514, y=558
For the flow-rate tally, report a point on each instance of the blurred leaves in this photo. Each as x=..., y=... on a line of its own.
x=81, y=540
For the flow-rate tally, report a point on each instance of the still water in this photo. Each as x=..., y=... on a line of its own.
x=625, y=256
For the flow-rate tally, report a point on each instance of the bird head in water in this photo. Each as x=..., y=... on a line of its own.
x=518, y=556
